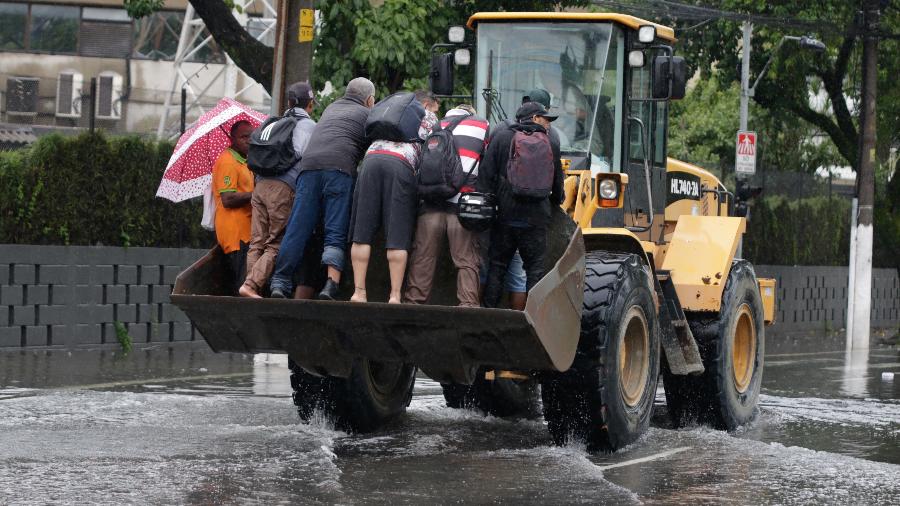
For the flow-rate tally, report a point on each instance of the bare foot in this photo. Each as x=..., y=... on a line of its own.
x=394, y=299
x=359, y=295
x=246, y=291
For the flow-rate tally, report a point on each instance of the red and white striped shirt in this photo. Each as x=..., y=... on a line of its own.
x=470, y=137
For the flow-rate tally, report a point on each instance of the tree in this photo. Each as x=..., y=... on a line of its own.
x=702, y=130
x=709, y=37
x=796, y=73
x=251, y=55
x=389, y=44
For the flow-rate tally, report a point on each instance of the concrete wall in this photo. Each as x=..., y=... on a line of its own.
x=815, y=298
x=63, y=296
x=70, y=296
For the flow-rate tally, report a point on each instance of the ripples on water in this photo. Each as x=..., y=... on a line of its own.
x=235, y=438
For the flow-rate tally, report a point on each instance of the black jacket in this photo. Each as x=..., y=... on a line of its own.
x=492, y=179
x=339, y=139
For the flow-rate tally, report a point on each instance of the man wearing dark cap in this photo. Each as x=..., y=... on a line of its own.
x=522, y=218
x=542, y=97
x=325, y=188
x=273, y=197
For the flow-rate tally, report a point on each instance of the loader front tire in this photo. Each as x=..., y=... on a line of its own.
x=373, y=394
x=732, y=345
x=606, y=398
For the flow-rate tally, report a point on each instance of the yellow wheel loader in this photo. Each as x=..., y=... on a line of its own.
x=642, y=277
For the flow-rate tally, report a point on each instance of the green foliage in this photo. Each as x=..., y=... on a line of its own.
x=816, y=231
x=886, y=227
x=702, y=129
x=140, y=8
x=123, y=337
x=702, y=126
x=391, y=44
x=811, y=231
x=91, y=190
x=714, y=49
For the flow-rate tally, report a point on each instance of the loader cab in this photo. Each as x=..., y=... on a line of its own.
x=609, y=76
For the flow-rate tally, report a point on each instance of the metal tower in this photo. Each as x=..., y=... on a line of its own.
x=192, y=41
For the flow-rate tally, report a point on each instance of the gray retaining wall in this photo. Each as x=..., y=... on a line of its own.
x=65, y=296
x=813, y=298
x=73, y=295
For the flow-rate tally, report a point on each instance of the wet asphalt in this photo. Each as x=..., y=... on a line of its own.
x=182, y=425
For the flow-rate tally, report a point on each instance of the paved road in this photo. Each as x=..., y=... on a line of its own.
x=181, y=425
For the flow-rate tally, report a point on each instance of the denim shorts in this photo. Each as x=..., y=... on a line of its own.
x=515, y=275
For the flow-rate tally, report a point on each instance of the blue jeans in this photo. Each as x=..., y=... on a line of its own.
x=325, y=194
x=515, y=280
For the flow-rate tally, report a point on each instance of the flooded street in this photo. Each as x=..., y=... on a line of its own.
x=184, y=425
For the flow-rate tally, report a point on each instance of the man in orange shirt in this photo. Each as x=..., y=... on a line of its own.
x=232, y=184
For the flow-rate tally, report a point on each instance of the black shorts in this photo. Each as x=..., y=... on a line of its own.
x=385, y=197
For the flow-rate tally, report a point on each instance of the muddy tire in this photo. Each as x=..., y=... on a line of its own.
x=732, y=345
x=373, y=394
x=501, y=397
x=606, y=398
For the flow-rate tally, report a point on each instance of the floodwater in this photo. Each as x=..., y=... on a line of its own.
x=182, y=425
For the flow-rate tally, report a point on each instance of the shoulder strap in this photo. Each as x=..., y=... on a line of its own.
x=455, y=122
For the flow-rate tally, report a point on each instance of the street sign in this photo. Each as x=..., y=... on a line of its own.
x=745, y=153
x=307, y=18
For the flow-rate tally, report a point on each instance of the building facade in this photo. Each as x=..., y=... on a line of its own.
x=50, y=50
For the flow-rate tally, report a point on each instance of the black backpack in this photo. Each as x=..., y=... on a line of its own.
x=396, y=118
x=272, y=146
x=440, y=172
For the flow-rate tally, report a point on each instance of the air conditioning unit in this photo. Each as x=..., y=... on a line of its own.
x=22, y=96
x=109, y=96
x=68, y=94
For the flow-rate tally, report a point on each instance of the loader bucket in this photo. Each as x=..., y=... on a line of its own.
x=447, y=343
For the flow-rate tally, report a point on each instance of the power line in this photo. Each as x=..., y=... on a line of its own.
x=679, y=11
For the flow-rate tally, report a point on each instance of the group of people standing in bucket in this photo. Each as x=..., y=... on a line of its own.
x=295, y=227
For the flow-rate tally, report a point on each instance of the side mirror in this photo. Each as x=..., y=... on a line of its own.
x=669, y=77
x=441, y=75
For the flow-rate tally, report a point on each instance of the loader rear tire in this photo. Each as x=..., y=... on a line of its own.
x=373, y=394
x=606, y=397
x=732, y=345
x=500, y=397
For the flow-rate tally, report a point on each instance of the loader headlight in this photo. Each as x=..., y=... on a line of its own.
x=456, y=34
x=609, y=189
x=646, y=34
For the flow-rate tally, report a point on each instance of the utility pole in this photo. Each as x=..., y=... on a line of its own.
x=293, y=48
x=746, y=92
x=862, y=296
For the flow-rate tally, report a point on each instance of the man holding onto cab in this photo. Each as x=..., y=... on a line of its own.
x=522, y=168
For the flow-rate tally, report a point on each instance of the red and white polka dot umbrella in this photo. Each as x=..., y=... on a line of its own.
x=190, y=169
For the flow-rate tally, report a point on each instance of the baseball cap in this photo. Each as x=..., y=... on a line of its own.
x=530, y=109
x=537, y=95
x=301, y=90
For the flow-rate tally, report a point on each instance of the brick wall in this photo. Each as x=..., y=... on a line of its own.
x=69, y=296
x=73, y=295
x=815, y=298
